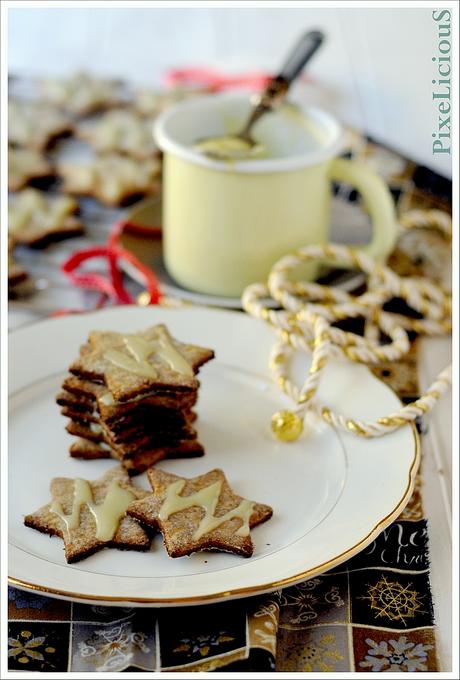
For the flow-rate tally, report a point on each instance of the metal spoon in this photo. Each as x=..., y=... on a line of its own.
x=242, y=144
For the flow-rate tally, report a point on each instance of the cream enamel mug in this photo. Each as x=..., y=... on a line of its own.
x=225, y=223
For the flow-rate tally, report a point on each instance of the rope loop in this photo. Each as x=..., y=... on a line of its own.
x=305, y=317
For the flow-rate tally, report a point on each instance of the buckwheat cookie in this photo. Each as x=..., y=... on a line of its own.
x=90, y=516
x=35, y=125
x=36, y=219
x=112, y=179
x=130, y=397
x=99, y=398
x=202, y=513
x=26, y=166
x=82, y=93
x=120, y=131
x=131, y=365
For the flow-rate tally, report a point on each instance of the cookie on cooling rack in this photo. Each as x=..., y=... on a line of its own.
x=35, y=125
x=36, y=219
x=120, y=131
x=27, y=166
x=115, y=180
x=82, y=94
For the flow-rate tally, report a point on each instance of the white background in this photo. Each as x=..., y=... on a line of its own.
x=374, y=72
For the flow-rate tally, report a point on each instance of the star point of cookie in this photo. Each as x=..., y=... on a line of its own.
x=35, y=125
x=113, y=179
x=120, y=131
x=202, y=513
x=133, y=364
x=81, y=94
x=91, y=515
x=36, y=219
x=26, y=166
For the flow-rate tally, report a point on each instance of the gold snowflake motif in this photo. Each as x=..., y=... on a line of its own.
x=26, y=648
x=394, y=601
x=319, y=655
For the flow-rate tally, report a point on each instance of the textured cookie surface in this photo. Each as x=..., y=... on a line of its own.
x=81, y=94
x=196, y=514
x=35, y=125
x=111, y=410
x=26, y=166
x=120, y=131
x=134, y=364
x=73, y=520
x=112, y=179
x=142, y=459
x=36, y=219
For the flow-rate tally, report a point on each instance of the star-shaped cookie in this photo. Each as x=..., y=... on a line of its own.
x=120, y=131
x=36, y=219
x=202, y=513
x=90, y=516
x=133, y=364
x=112, y=179
x=26, y=166
x=35, y=125
x=81, y=94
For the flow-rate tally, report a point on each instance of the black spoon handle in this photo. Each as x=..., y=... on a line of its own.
x=276, y=89
x=308, y=44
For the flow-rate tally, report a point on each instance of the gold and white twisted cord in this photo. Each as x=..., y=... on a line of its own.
x=305, y=323
x=386, y=424
x=429, y=219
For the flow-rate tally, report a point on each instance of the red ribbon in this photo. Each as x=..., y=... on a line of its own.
x=215, y=81
x=111, y=286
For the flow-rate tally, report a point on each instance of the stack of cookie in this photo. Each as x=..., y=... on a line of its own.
x=131, y=397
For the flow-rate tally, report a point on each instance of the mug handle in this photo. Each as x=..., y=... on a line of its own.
x=377, y=199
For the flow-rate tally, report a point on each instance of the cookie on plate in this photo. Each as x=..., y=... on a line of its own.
x=81, y=94
x=90, y=516
x=132, y=364
x=27, y=166
x=34, y=125
x=95, y=396
x=202, y=513
x=130, y=397
x=36, y=219
x=120, y=131
x=113, y=179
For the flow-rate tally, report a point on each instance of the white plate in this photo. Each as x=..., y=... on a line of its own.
x=331, y=494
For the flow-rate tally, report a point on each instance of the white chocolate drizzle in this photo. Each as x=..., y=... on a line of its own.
x=207, y=499
x=141, y=350
x=107, y=514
